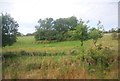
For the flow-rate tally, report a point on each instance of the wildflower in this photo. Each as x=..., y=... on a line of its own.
x=74, y=64
x=94, y=70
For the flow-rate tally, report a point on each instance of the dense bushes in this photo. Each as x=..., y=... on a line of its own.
x=99, y=58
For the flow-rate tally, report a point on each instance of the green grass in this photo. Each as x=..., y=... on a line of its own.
x=27, y=43
x=43, y=67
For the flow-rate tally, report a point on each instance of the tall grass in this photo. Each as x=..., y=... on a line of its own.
x=60, y=60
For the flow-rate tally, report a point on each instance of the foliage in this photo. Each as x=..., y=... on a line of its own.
x=46, y=35
x=99, y=58
x=95, y=34
x=9, y=30
x=63, y=24
x=50, y=29
x=81, y=32
x=59, y=60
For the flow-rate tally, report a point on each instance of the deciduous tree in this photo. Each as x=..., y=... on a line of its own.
x=9, y=29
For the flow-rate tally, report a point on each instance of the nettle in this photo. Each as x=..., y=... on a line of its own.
x=99, y=58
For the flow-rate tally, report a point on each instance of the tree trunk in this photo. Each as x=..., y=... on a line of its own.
x=95, y=42
x=81, y=43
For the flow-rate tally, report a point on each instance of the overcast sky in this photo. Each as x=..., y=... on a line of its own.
x=28, y=12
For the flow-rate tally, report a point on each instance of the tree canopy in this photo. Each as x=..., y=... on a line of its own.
x=9, y=29
x=81, y=31
x=50, y=29
x=67, y=29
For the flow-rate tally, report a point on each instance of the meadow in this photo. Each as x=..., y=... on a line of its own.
x=60, y=60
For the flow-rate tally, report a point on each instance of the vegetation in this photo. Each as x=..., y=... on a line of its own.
x=54, y=52
x=43, y=61
x=113, y=30
x=66, y=29
x=81, y=32
x=9, y=30
x=95, y=34
x=50, y=29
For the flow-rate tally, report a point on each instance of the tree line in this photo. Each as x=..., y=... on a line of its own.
x=50, y=29
x=70, y=28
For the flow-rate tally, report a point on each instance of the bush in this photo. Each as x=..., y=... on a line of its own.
x=23, y=53
x=9, y=55
x=33, y=66
x=99, y=57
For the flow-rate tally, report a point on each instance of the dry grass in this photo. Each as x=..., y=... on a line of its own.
x=54, y=67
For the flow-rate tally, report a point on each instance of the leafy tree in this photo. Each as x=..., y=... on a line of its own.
x=50, y=29
x=46, y=24
x=81, y=32
x=9, y=30
x=95, y=34
x=71, y=22
x=63, y=24
x=44, y=30
x=40, y=35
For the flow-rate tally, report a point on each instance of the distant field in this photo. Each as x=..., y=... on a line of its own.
x=27, y=43
x=53, y=67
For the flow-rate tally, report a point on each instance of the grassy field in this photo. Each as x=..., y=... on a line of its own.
x=60, y=60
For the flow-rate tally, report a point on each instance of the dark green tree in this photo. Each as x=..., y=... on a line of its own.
x=44, y=30
x=49, y=29
x=72, y=22
x=63, y=24
x=46, y=24
x=9, y=30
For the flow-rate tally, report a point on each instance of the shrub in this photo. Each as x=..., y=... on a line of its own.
x=9, y=55
x=24, y=52
x=33, y=66
x=95, y=34
x=99, y=57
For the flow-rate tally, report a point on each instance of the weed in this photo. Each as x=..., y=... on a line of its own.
x=33, y=66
